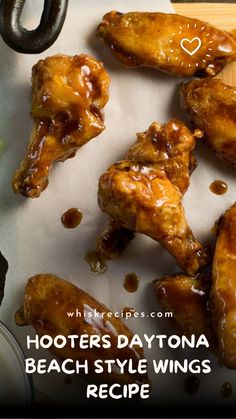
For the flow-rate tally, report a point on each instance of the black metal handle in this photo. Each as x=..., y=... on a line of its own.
x=31, y=41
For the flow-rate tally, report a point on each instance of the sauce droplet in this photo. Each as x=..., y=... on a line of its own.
x=131, y=282
x=96, y=261
x=72, y=218
x=128, y=312
x=218, y=187
x=191, y=385
x=226, y=390
x=20, y=318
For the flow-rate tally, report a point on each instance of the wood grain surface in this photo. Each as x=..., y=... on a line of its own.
x=221, y=15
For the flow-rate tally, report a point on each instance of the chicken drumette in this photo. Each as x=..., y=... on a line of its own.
x=141, y=195
x=168, y=147
x=68, y=94
x=178, y=45
x=211, y=105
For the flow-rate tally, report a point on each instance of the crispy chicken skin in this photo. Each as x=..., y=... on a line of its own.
x=141, y=198
x=188, y=299
x=223, y=292
x=46, y=303
x=154, y=40
x=211, y=105
x=68, y=94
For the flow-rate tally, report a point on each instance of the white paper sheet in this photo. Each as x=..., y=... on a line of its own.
x=32, y=237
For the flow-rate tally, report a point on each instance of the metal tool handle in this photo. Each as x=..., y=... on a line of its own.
x=31, y=41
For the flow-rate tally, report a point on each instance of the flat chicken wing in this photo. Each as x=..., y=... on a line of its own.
x=223, y=293
x=211, y=105
x=141, y=198
x=68, y=94
x=169, y=148
x=175, y=44
x=47, y=301
x=188, y=299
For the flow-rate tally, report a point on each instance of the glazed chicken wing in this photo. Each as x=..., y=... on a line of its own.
x=68, y=94
x=188, y=299
x=223, y=293
x=211, y=105
x=175, y=44
x=141, y=198
x=47, y=301
x=168, y=148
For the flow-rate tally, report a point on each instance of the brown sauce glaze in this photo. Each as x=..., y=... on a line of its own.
x=218, y=187
x=72, y=218
x=226, y=390
x=131, y=282
x=96, y=262
x=191, y=385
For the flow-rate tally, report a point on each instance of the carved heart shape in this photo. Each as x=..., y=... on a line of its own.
x=186, y=44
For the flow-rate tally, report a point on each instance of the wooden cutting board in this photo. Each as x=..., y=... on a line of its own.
x=218, y=14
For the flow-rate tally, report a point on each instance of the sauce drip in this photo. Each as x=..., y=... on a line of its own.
x=218, y=187
x=226, y=390
x=131, y=282
x=191, y=385
x=128, y=312
x=96, y=261
x=72, y=218
x=20, y=318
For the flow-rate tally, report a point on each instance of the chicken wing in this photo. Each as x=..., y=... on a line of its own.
x=141, y=198
x=68, y=94
x=175, y=44
x=223, y=293
x=169, y=148
x=47, y=301
x=211, y=105
x=188, y=299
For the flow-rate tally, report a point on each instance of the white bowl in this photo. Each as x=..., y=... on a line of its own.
x=16, y=386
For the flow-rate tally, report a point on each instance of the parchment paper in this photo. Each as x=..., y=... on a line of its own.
x=32, y=237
